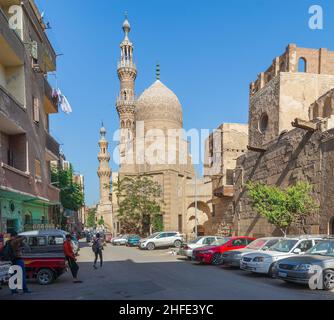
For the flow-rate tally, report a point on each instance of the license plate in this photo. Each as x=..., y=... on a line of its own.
x=282, y=274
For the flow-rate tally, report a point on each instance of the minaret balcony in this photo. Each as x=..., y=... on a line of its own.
x=122, y=102
x=129, y=64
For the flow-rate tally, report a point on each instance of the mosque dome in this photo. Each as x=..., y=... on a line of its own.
x=159, y=103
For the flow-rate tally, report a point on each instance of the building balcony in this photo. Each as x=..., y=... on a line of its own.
x=224, y=191
x=15, y=180
x=50, y=102
x=52, y=148
x=12, y=48
x=47, y=57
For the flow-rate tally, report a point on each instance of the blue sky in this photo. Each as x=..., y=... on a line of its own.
x=209, y=52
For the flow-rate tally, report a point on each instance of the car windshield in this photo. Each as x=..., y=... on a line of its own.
x=196, y=240
x=323, y=248
x=220, y=242
x=284, y=245
x=153, y=235
x=257, y=244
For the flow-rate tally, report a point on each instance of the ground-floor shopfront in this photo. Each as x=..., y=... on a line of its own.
x=21, y=212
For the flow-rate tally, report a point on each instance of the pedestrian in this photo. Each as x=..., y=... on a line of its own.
x=15, y=245
x=70, y=257
x=97, y=248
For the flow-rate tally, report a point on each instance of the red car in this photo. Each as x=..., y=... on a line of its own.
x=212, y=254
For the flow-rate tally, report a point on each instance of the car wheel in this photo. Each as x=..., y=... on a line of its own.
x=45, y=277
x=177, y=244
x=150, y=246
x=216, y=259
x=271, y=271
x=329, y=280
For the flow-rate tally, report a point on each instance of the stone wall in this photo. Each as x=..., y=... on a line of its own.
x=297, y=156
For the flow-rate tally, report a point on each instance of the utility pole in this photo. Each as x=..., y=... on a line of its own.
x=196, y=202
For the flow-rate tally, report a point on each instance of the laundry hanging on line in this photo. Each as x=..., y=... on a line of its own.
x=62, y=101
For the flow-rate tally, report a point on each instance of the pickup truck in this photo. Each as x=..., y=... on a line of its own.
x=43, y=256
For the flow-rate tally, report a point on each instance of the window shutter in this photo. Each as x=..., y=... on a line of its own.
x=38, y=170
x=36, y=110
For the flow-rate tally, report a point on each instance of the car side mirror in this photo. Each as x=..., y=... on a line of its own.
x=297, y=251
x=265, y=248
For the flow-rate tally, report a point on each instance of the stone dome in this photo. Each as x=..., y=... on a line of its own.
x=159, y=103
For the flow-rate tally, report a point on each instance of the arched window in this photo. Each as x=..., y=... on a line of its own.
x=302, y=65
x=124, y=95
x=263, y=123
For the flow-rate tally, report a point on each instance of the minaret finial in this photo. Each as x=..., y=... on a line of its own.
x=126, y=15
x=157, y=71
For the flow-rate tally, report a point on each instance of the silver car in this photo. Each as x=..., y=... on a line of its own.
x=187, y=248
x=162, y=239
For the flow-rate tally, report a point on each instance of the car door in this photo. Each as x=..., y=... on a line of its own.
x=160, y=240
x=170, y=238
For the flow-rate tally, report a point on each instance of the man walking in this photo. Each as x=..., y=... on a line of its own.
x=15, y=245
x=70, y=257
x=97, y=248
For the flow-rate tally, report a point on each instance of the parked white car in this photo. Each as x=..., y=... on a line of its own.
x=264, y=261
x=162, y=239
x=120, y=241
x=187, y=248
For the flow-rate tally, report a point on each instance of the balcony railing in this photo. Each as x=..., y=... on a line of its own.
x=51, y=144
x=126, y=64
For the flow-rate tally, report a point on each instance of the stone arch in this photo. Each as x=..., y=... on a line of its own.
x=203, y=216
x=302, y=65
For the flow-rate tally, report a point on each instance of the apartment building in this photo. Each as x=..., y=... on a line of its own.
x=26, y=102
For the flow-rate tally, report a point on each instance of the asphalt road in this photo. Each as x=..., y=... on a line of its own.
x=129, y=273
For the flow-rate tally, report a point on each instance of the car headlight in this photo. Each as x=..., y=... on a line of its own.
x=304, y=267
x=258, y=259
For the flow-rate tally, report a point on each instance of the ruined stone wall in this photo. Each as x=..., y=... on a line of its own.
x=264, y=102
x=295, y=156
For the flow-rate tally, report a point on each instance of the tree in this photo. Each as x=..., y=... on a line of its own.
x=101, y=221
x=139, y=203
x=91, y=218
x=283, y=207
x=71, y=195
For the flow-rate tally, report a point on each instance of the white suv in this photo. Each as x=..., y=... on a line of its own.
x=264, y=261
x=162, y=239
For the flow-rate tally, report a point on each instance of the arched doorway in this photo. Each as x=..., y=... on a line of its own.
x=203, y=214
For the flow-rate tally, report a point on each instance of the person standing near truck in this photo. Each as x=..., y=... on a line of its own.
x=70, y=257
x=13, y=250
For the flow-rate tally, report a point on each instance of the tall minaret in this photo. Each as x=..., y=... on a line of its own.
x=127, y=74
x=104, y=172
